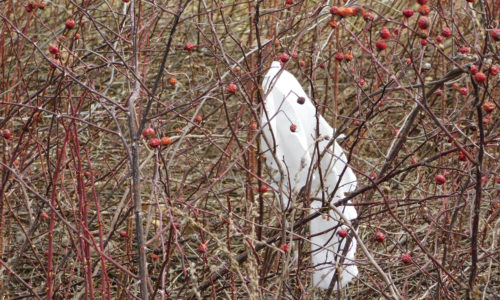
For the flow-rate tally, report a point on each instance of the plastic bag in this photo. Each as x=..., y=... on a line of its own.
x=296, y=153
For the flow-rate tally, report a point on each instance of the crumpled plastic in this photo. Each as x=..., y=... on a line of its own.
x=297, y=156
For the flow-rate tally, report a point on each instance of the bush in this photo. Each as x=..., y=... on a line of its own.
x=130, y=137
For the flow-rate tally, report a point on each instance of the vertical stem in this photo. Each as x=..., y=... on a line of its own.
x=336, y=83
x=2, y=215
x=259, y=100
x=104, y=272
x=50, y=263
x=477, y=201
x=136, y=194
x=251, y=165
x=136, y=186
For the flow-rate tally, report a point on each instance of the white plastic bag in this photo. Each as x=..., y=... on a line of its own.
x=296, y=152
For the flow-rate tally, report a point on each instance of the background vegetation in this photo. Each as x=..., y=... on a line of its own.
x=92, y=208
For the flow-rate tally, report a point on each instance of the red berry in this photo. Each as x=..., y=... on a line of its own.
x=480, y=77
x=384, y=33
x=439, y=92
x=284, y=57
x=358, y=11
x=189, y=46
x=422, y=2
x=474, y=69
x=322, y=65
x=40, y=5
x=494, y=70
x=463, y=91
x=285, y=248
x=198, y=119
x=293, y=128
x=368, y=17
x=423, y=34
x=423, y=23
x=289, y=2
x=232, y=88
x=406, y=258
x=70, y=23
x=53, y=64
x=301, y=100
x=333, y=24
x=396, y=31
x=464, y=50
x=202, y=248
x=148, y=132
x=123, y=234
x=342, y=232
x=53, y=49
x=302, y=63
x=424, y=42
x=334, y=10
x=44, y=216
x=440, y=179
x=29, y=7
x=446, y=32
x=6, y=134
x=172, y=81
x=439, y=39
x=361, y=82
x=381, y=45
x=295, y=54
x=339, y=56
x=165, y=141
x=408, y=13
x=424, y=10
x=461, y=156
x=253, y=126
x=495, y=35
x=379, y=237
x=154, y=256
x=154, y=142
x=263, y=189
x=488, y=106
x=345, y=11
